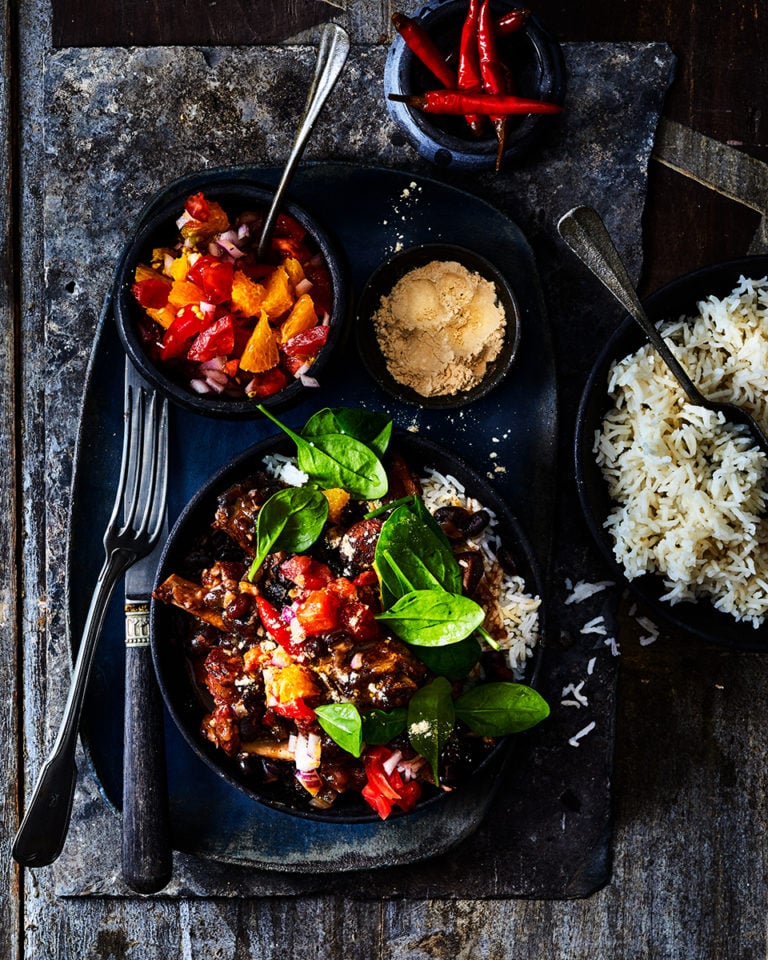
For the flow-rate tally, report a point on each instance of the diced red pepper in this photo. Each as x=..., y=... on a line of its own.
x=307, y=344
x=291, y=247
x=317, y=272
x=288, y=226
x=359, y=620
x=152, y=293
x=265, y=384
x=295, y=710
x=218, y=340
x=343, y=588
x=319, y=613
x=197, y=207
x=306, y=573
x=383, y=791
x=213, y=276
x=188, y=323
x=366, y=579
x=276, y=628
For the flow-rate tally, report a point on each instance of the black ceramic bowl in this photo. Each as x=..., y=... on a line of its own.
x=380, y=284
x=677, y=299
x=158, y=229
x=534, y=59
x=182, y=694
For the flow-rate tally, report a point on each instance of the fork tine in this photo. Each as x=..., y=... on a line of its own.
x=160, y=486
x=136, y=457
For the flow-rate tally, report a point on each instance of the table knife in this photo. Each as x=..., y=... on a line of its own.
x=146, y=851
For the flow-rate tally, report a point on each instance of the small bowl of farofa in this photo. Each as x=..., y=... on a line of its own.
x=438, y=326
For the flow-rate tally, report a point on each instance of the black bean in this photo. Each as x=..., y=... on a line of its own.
x=477, y=523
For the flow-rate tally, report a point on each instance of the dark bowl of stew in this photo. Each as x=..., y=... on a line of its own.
x=259, y=677
x=209, y=325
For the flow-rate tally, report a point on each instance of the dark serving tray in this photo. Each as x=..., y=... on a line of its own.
x=508, y=436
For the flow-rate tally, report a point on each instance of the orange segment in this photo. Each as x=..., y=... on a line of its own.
x=247, y=295
x=302, y=317
x=279, y=295
x=260, y=352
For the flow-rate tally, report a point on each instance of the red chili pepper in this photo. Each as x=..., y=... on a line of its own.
x=151, y=293
x=218, y=340
x=422, y=46
x=493, y=72
x=197, y=207
x=213, y=276
x=456, y=103
x=515, y=20
x=188, y=323
x=276, y=629
x=469, y=77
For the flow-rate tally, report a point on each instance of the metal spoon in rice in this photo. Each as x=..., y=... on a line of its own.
x=585, y=233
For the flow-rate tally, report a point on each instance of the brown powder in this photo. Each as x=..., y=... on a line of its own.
x=439, y=328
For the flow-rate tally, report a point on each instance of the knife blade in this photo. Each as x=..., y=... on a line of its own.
x=146, y=849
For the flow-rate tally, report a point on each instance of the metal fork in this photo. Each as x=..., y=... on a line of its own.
x=132, y=531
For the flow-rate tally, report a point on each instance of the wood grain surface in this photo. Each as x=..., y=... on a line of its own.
x=690, y=878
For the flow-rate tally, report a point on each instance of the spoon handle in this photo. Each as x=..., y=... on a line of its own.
x=585, y=233
x=331, y=57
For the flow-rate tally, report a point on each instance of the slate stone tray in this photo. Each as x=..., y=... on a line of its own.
x=509, y=435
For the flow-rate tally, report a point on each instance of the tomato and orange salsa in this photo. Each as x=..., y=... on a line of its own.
x=223, y=322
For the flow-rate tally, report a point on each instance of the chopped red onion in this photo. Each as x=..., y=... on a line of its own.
x=199, y=386
x=307, y=752
x=213, y=249
x=303, y=286
x=310, y=780
x=215, y=386
x=216, y=364
x=309, y=381
x=356, y=662
x=228, y=235
x=243, y=231
x=167, y=261
x=390, y=765
x=218, y=377
x=326, y=321
x=302, y=370
x=208, y=308
x=287, y=614
x=184, y=219
x=231, y=249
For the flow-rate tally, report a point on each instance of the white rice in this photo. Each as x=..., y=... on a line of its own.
x=688, y=487
x=517, y=610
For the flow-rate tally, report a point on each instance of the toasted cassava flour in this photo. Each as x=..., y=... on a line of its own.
x=689, y=488
x=439, y=328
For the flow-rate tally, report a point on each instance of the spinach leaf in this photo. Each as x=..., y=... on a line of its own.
x=292, y=519
x=336, y=460
x=433, y=618
x=372, y=428
x=419, y=549
x=380, y=726
x=496, y=709
x=343, y=724
x=431, y=719
x=454, y=661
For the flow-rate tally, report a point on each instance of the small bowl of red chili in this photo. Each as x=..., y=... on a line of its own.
x=213, y=326
x=453, y=55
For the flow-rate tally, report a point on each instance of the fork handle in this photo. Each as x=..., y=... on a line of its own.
x=44, y=828
x=146, y=850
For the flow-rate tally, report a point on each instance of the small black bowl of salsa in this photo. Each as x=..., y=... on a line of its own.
x=210, y=325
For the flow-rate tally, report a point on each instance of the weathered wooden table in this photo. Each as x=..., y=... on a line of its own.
x=689, y=876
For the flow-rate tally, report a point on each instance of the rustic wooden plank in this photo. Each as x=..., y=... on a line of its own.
x=9, y=539
x=78, y=23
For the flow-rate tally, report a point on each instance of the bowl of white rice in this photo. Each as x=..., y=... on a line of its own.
x=674, y=496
